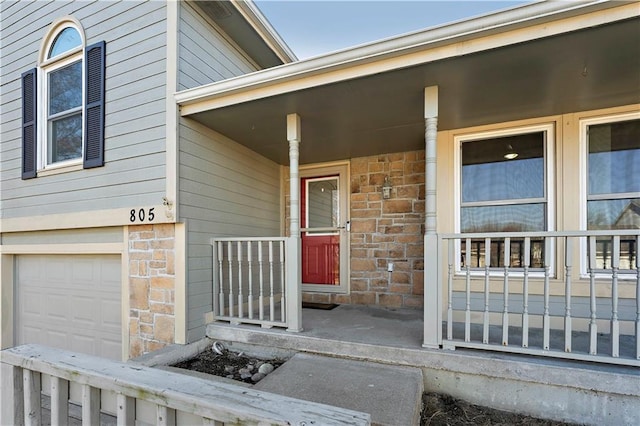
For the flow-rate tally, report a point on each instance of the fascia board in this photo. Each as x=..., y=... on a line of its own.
x=261, y=25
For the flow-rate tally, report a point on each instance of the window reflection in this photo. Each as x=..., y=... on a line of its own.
x=613, y=199
x=65, y=41
x=497, y=255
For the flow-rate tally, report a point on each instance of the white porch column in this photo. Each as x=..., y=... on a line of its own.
x=294, y=246
x=432, y=279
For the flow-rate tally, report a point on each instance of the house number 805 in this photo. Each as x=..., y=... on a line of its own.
x=140, y=215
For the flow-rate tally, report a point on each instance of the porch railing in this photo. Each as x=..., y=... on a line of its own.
x=250, y=280
x=143, y=395
x=563, y=294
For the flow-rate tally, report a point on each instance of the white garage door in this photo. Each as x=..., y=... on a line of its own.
x=71, y=302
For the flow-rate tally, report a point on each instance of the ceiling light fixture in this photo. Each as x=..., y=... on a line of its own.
x=510, y=154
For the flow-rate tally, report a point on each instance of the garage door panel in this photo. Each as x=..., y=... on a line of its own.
x=71, y=302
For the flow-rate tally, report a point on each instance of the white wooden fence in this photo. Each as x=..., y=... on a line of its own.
x=521, y=292
x=143, y=395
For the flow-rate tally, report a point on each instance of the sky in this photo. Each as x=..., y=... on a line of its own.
x=312, y=27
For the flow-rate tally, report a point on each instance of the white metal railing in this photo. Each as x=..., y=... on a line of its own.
x=250, y=280
x=503, y=291
x=143, y=395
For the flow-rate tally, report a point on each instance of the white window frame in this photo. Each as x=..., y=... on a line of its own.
x=584, y=187
x=550, y=183
x=46, y=66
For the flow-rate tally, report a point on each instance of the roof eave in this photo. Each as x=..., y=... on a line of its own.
x=344, y=63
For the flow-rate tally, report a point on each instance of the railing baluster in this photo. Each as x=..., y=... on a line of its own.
x=615, y=325
x=467, y=311
x=230, y=273
x=567, y=294
x=260, y=267
x=90, y=405
x=487, y=276
x=221, y=276
x=59, y=401
x=593, y=325
x=525, y=293
x=240, y=296
x=545, y=315
x=250, y=277
x=283, y=299
x=638, y=297
x=505, y=312
x=125, y=410
x=450, y=258
x=165, y=416
x=31, y=386
x=271, y=301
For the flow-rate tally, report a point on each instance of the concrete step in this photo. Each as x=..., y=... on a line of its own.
x=392, y=395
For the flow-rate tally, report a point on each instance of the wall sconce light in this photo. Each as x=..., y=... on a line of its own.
x=386, y=188
x=510, y=154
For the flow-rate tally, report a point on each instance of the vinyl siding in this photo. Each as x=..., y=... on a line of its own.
x=134, y=171
x=67, y=236
x=205, y=54
x=225, y=190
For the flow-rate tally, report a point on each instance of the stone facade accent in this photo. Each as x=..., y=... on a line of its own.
x=384, y=231
x=151, y=287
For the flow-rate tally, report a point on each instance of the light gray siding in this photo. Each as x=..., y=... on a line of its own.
x=68, y=236
x=225, y=190
x=134, y=171
x=205, y=54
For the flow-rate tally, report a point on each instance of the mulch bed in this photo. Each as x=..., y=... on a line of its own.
x=444, y=410
x=219, y=364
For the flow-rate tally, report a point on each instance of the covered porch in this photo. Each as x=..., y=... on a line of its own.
x=532, y=65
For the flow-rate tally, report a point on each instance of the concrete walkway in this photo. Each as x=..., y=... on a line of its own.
x=392, y=395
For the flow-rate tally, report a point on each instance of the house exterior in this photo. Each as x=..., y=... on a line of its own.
x=103, y=268
x=413, y=172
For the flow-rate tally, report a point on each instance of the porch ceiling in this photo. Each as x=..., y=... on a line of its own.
x=593, y=68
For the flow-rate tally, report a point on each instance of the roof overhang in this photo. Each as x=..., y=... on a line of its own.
x=250, y=30
x=536, y=60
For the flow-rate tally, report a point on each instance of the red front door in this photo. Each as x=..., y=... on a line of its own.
x=320, y=217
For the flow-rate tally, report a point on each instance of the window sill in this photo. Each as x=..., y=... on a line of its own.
x=55, y=170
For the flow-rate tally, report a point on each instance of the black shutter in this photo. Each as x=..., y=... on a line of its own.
x=94, y=57
x=29, y=121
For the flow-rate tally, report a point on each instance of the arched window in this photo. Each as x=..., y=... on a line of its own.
x=63, y=87
x=63, y=102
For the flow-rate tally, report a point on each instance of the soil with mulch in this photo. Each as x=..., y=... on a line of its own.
x=226, y=364
x=444, y=410
x=437, y=409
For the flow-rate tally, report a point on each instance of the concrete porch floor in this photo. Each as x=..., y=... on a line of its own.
x=558, y=389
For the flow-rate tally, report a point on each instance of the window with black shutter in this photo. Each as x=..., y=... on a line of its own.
x=63, y=123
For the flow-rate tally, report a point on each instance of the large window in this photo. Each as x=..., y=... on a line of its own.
x=613, y=185
x=504, y=187
x=63, y=103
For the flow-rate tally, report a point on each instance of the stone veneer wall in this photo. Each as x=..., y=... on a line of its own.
x=151, y=287
x=384, y=231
